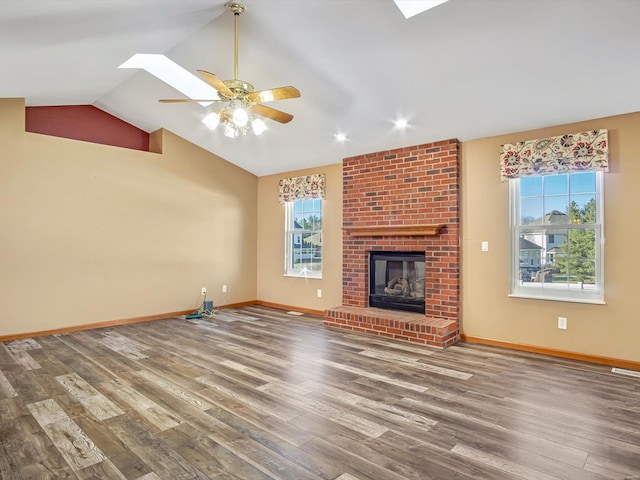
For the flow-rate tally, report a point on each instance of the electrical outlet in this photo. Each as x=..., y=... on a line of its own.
x=562, y=323
x=224, y=289
x=204, y=290
x=484, y=246
x=319, y=293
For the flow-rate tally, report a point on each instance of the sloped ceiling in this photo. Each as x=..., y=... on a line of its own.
x=465, y=69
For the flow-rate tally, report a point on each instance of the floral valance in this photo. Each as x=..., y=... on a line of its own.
x=585, y=151
x=301, y=188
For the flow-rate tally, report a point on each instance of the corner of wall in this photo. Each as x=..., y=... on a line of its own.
x=156, y=141
x=12, y=115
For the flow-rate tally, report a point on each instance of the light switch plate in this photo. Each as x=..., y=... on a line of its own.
x=485, y=246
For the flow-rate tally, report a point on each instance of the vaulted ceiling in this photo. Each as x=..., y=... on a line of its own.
x=465, y=69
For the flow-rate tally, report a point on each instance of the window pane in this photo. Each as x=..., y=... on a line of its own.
x=583, y=182
x=555, y=209
x=530, y=210
x=308, y=205
x=296, y=252
x=576, y=258
x=530, y=186
x=554, y=250
x=309, y=256
x=530, y=254
x=556, y=184
x=584, y=272
x=583, y=208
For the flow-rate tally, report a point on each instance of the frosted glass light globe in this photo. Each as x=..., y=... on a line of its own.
x=211, y=121
x=240, y=117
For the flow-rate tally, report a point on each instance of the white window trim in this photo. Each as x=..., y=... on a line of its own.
x=288, y=248
x=595, y=296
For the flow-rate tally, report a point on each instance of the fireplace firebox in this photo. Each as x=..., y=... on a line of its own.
x=397, y=281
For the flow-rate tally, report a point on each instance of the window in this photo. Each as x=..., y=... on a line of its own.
x=557, y=237
x=303, y=241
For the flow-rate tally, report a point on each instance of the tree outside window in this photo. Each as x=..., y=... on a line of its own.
x=576, y=258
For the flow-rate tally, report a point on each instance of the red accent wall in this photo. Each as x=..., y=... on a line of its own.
x=86, y=123
x=408, y=186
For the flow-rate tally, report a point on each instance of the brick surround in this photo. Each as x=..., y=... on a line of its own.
x=404, y=187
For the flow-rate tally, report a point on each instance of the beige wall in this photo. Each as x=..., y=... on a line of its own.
x=273, y=286
x=92, y=233
x=611, y=330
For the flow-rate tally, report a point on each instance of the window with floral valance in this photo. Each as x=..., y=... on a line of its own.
x=303, y=198
x=584, y=151
x=301, y=188
x=557, y=216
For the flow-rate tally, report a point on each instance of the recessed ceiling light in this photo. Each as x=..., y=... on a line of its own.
x=409, y=8
x=341, y=137
x=401, y=123
x=173, y=74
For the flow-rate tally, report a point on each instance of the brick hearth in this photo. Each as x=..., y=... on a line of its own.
x=388, y=199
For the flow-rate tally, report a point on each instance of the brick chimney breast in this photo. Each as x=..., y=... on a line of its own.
x=403, y=190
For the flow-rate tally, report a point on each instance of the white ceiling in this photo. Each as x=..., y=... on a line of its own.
x=465, y=69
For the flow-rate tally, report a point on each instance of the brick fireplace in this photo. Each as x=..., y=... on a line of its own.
x=403, y=200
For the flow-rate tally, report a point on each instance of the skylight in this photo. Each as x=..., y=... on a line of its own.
x=409, y=8
x=173, y=74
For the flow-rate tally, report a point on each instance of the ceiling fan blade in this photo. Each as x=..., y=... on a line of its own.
x=216, y=83
x=187, y=100
x=281, y=93
x=271, y=113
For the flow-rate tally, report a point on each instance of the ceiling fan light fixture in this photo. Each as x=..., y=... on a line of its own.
x=234, y=120
x=258, y=126
x=230, y=130
x=240, y=117
x=212, y=120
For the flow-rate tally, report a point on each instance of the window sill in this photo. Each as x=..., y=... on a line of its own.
x=317, y=276
x=593, y=301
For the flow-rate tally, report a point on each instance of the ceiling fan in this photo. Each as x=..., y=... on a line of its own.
x=241, y=98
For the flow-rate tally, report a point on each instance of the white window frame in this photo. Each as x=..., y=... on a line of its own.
x=290, y=232
x=547, y=292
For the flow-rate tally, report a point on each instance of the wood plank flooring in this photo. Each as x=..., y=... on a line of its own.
x=255, y=393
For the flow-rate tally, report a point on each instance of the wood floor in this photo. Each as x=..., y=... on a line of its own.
x=256, y=393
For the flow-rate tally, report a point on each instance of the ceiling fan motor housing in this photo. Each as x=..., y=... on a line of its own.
x=236, y=7
x=240, y=88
